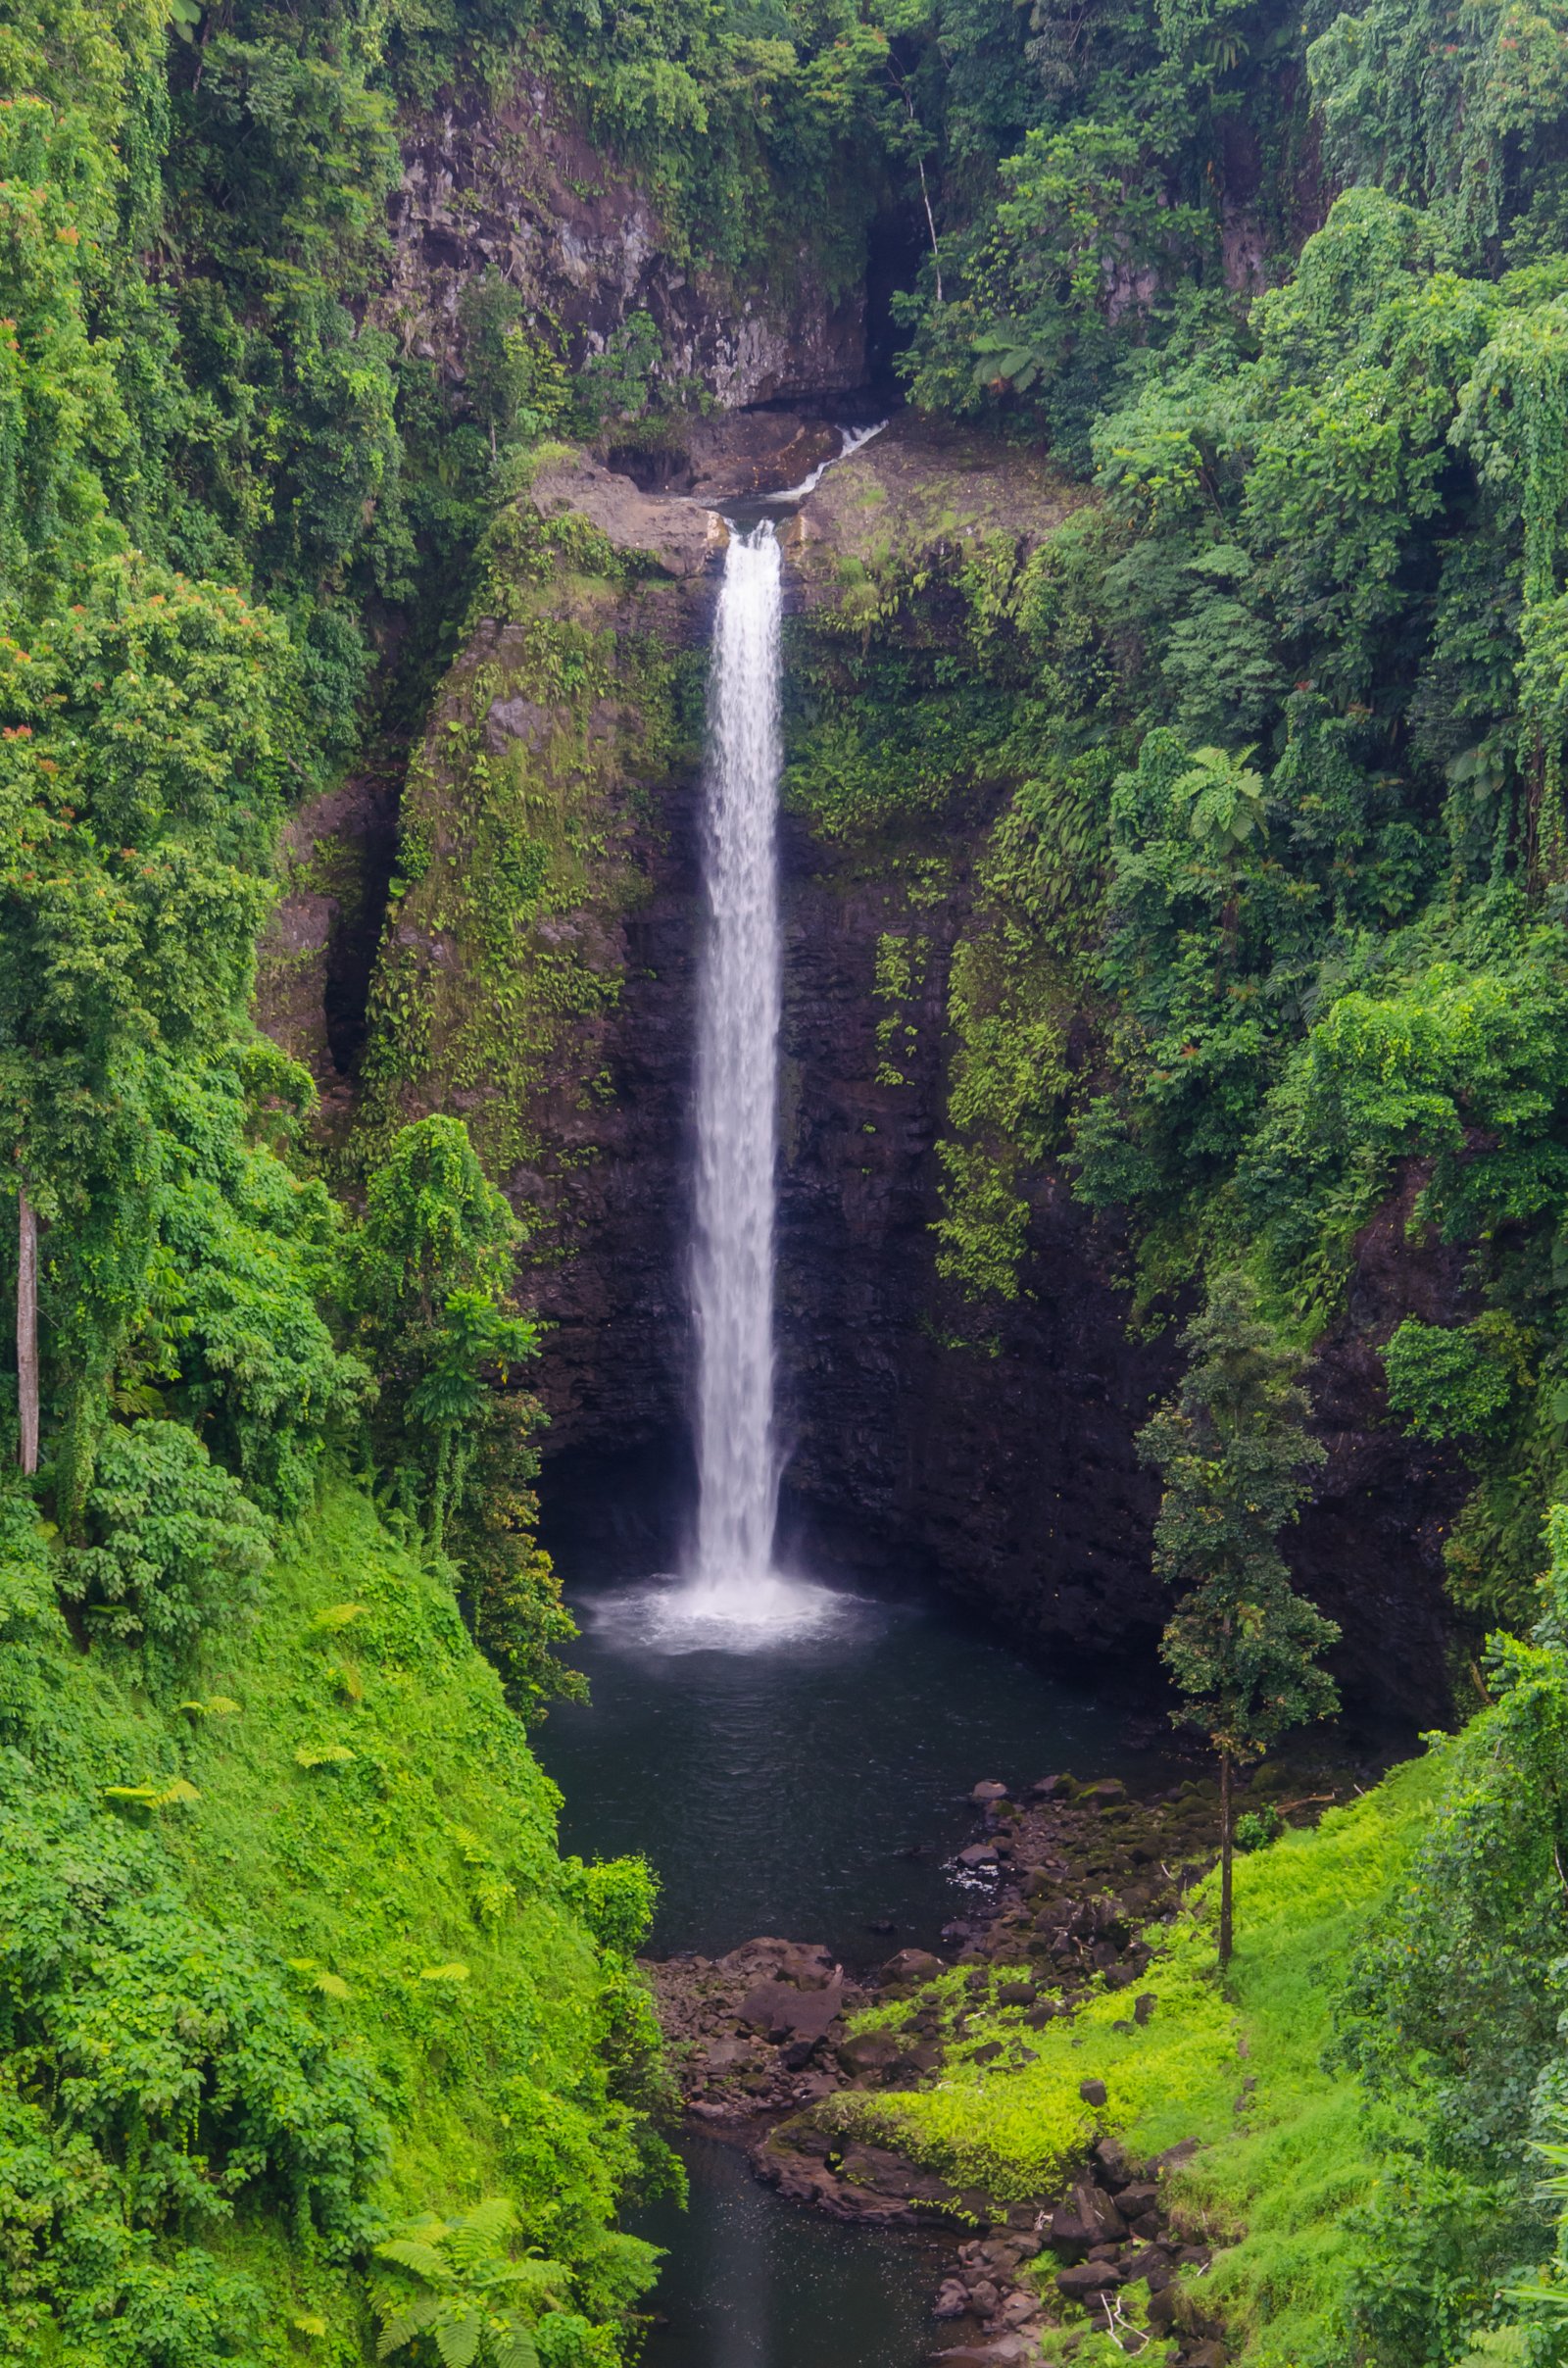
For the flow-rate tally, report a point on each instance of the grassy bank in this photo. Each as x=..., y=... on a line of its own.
x=290, y=1956
x=1289, y=2143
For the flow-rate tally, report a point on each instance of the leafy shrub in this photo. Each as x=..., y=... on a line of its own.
x=176, y=1546
x=1448, y=1381
x=245, y=1250
x=463, y=2291
x=1462, y=1990
x=617, y=1897
x=619, y=383
x=175, y=2074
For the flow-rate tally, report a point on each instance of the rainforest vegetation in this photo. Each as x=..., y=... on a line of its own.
x=312, y=2039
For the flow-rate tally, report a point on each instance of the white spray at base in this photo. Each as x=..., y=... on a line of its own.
x=733, y=1595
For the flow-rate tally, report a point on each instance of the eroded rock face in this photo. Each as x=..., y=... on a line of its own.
x=319, y=949
x=1005, y=1464
x=684, y=536
x=515, y=187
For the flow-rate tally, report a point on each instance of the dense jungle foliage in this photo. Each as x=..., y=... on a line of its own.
x=1268, y=940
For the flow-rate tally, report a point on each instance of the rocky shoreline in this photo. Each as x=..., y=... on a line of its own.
x=1056, y=1886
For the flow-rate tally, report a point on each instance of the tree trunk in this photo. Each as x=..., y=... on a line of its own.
x=27, y=1333
x=1224, y=1858
x=436, y=1524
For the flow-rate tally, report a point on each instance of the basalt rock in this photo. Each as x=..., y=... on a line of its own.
x=511, y=184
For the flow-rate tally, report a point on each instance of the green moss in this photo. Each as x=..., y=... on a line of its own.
x=502, y=958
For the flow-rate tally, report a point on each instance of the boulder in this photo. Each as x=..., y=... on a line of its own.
x=870, y=2054
x=980, y=1855
x=1104, y=1795
x=1093, y=2091
x=781, y=2012
x=1148, y=2263
x=809, y=1966
x=912, y=1966
x=1099, y=2213
x=1052, y=1788
x=952, y=2300
x=1081, y=2280
x=1070, y=2234
x=987, y=1791
x=1089, y=2218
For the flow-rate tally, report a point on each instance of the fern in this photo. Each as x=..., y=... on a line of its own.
x=336, y=1616
x=323, y=1756
x=152, y=1796
x=478, y=2306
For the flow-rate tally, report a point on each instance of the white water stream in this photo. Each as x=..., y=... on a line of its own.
x=737, y=1090
x=733, y=1594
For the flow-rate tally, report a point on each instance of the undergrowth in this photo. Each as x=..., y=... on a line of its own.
x=289, y=1956
x=1292, y=2142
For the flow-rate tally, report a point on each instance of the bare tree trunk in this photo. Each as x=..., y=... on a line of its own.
x=919, y=166
x=27, y=1332
x=1224, y=1858
x=930, y=221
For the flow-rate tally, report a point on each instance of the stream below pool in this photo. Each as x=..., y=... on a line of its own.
x=814, y=1789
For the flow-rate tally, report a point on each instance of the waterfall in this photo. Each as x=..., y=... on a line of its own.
x=732, y=1594
x=737, y=1090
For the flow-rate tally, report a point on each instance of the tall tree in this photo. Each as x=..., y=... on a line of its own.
x=1233, y=1451
x=145, y=739
x=27, y=1333
x=436, y=1261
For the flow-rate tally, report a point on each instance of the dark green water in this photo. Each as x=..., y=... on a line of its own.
x=753, y=2282
x=813, y=1789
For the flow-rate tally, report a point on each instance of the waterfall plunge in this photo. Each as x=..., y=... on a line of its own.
x=737, y=1093
x=732, y=1596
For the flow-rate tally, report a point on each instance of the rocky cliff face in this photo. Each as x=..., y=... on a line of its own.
x=514, y=186
x=992, y=1449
